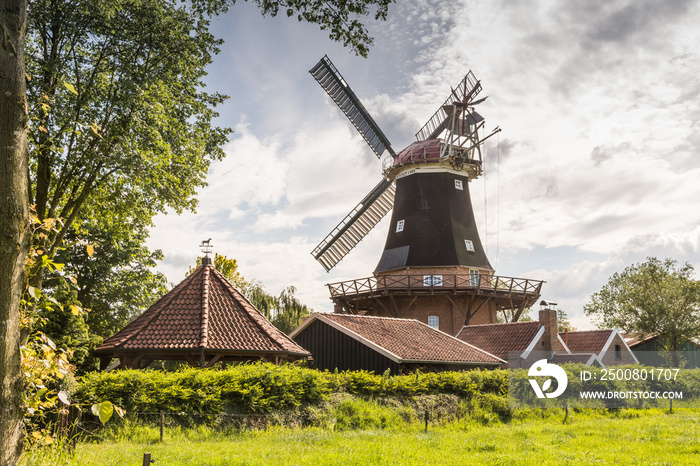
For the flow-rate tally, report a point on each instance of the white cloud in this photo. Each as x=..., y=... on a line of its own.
x=598, y=156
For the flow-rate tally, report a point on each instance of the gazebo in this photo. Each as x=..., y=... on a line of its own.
x=203, y=320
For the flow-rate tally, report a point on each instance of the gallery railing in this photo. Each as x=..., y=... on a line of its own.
x=435, y=284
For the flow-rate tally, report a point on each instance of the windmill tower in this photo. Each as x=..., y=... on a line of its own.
x=433, y=267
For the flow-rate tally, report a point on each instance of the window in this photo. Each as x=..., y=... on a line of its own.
x=459, y=185
x=432, y=280
x=469, y=244
x=618, y=352
x=434, y=321
x=474, y=278
x=399, y=225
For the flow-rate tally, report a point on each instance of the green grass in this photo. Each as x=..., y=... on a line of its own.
x=644, y=437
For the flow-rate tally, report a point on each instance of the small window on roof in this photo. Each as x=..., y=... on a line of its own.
x=434, y=321
x=618, y=352
x=459, y=185
x=469, y=244
x=399, y=225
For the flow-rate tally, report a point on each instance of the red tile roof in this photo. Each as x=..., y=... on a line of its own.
x=500, y=339
x=408, y=339
x=203, y=311
x=634, y=339
x=576, y=358
x=586, y=341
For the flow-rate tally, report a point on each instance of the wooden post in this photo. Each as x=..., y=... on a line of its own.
x=426, y=419
x=162, y=422
x=147, y=459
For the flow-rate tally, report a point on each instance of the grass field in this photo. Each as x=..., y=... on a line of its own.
x=645, y=437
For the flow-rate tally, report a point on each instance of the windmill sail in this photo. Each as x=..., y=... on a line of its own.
x=333, y=83
x=355, y=225
x=466, y=90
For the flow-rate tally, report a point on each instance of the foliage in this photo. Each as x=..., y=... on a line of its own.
x=44, y=365
x=651, y=297
x=226, y=267
x=262, y=387
x=563, y=323
x=120, y=124
x=113, y=272
x=243, y=388
x=333, y=16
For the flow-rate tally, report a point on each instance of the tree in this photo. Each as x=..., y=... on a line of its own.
x=563, y=322
x=651, y=297
x=119, y=125
x=120, y=122
x=14, y=219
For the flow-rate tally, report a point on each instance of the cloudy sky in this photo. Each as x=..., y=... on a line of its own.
x=597, y=166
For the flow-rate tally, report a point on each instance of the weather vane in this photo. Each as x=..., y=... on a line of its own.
x=206, y=247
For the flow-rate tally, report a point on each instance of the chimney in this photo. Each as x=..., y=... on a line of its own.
x=548, y=319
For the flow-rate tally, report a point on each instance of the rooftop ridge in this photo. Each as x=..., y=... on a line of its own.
x=365, y=316
x=204, y=328
x=530, y=322
x=587, y=331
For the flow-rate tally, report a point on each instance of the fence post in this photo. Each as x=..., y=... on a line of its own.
x=426, y=419
x=162, y=423
x=146, y=459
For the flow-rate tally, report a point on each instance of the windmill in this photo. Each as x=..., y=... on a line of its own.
x=433, y=246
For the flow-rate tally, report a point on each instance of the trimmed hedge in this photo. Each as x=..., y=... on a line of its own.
x=264, y=387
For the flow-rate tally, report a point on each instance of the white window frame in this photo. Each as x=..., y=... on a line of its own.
x=434, y=322
x=432, y=280
x=470, y=245
x=399, y=225
x=459, y=184
x=474, y=277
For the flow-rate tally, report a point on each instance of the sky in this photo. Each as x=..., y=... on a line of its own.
x=597, y=166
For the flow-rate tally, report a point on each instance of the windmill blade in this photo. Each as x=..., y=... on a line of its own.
x=333, y=83
x=465, y=92
x=355, y=225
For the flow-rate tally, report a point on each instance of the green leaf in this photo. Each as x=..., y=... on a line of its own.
x=70, y=87
x=103, y=410
x=34, y=292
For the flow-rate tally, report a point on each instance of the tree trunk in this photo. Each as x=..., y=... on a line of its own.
x=14, y=219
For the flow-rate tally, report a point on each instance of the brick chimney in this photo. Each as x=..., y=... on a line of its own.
x=548, y=319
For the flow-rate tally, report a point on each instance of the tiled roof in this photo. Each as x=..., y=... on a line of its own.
x=586, y=341
x=634, y=339
x=203, y=311
x=575, y=358
x=410, y=340
x=500, y=339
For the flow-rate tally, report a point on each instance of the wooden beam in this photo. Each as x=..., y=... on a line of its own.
x=408, y=308
x=383, y=306
x=145, y=363
x=393, y=303
x=190, y=360
x=471, y=314
x=213, y=360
